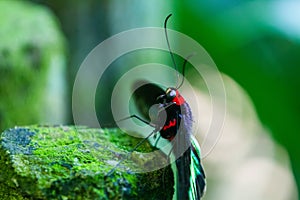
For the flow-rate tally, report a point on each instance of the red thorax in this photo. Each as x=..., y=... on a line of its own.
x=179, y=100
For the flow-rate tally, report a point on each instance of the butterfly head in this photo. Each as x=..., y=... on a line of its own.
x=171, y=95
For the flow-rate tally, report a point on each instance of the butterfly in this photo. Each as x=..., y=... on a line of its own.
x=171, y=117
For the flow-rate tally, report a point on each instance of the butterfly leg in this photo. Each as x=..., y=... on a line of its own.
x=130, y=152
x=137, y=117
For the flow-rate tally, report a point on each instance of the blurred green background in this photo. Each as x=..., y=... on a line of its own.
x=256, y=43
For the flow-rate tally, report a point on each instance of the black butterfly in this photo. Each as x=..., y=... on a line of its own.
x=172, y=118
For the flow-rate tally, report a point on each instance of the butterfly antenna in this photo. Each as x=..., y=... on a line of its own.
x=169, y=47
x=183, y=68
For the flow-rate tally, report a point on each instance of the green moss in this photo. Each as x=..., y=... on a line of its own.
x=11, y=195
x=73, y=163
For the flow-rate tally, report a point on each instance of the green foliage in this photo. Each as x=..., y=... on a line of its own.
x=30, y=45
x=251, y=42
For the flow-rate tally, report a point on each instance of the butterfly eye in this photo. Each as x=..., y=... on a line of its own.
x=172, y=94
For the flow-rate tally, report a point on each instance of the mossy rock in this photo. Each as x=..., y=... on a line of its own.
x=64, y=162
x=32, y=65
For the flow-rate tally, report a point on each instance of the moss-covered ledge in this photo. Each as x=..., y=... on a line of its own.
x=65, y=162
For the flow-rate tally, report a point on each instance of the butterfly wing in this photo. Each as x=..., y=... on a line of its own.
x=197, y=176
x=145, y=96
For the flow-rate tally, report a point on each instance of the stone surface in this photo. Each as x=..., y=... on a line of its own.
x=64, y=162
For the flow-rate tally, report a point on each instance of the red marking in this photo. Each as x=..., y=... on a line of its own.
x=172, y=123
x=179, y=100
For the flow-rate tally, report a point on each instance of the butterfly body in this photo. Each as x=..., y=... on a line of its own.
x=169, y=120
x=174, y=120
